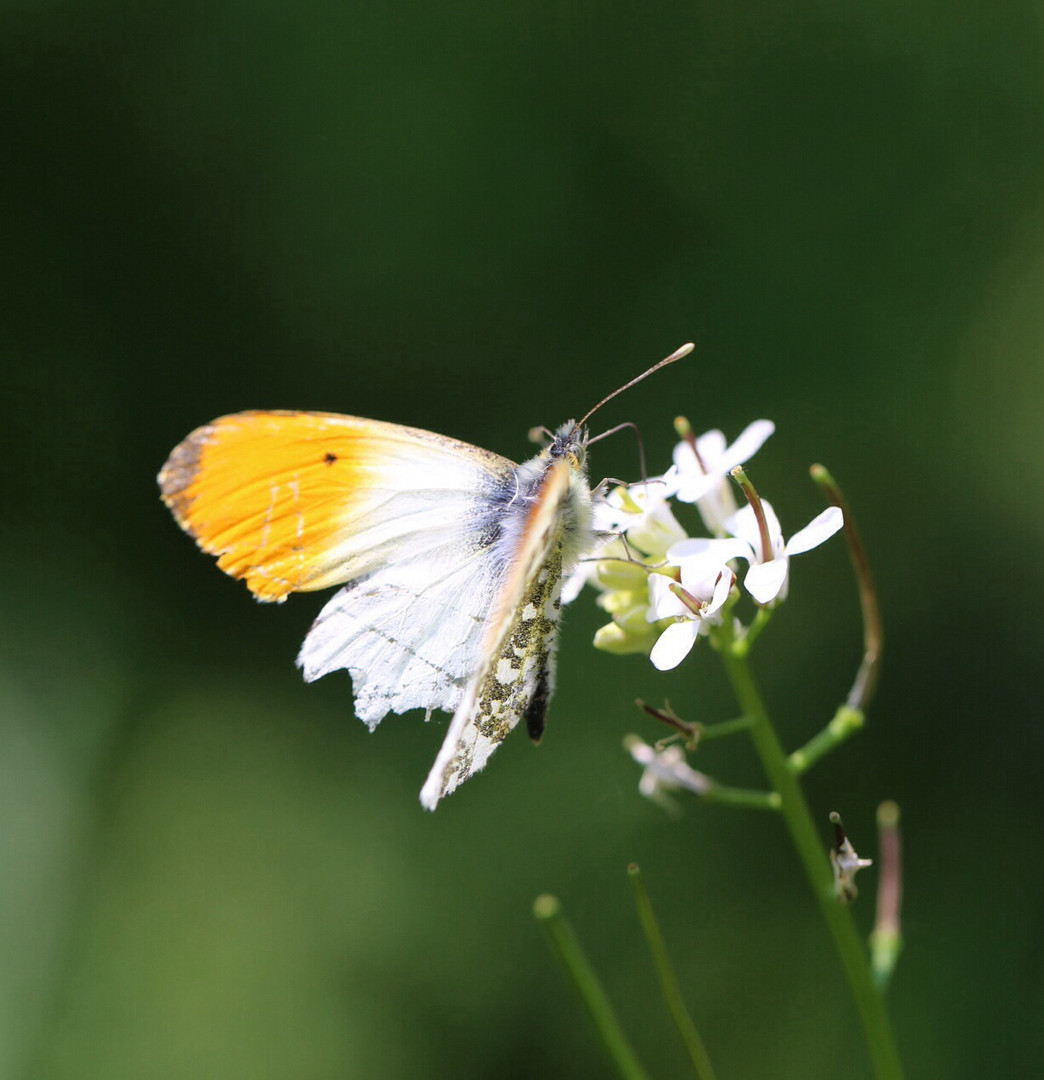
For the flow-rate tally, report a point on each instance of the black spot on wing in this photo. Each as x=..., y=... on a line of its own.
x=535, y=715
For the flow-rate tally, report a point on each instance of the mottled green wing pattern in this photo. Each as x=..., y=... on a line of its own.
x=515, y=681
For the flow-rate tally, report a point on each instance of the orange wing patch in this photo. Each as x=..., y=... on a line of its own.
x=274, y=494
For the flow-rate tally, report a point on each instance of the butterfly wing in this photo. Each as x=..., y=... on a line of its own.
x=410, y=633
x=451, y=560
x=516, y=676
x=293, y=501
x=302, y=501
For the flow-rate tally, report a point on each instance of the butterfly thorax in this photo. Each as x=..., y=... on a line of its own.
x=533, y=481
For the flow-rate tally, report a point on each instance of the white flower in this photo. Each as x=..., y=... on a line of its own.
x=706, y=580
x=644, y=514
x=640, y=512
x=665, y=770
x=766, y=580
x=698, y=475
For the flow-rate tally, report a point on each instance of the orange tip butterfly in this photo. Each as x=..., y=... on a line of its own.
x=451, y=558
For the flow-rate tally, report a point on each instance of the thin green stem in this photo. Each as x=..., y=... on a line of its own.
x=869, y=1002
x=706, y=732
x=548, y=912
x=744, y=798
x=846, y=721
x=873, y=632
x=672, y=995
x=761, y=620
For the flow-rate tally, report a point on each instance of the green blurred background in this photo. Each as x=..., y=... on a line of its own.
x=477, y=218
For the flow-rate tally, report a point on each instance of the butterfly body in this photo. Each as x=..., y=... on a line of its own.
x=451, y=559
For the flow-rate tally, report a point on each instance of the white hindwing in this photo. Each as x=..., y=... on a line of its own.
x=410, y=634
x=410, y=631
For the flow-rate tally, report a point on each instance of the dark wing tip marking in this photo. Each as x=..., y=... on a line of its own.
x=178, y=473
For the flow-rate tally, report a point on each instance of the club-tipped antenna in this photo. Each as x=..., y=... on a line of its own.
x=676, y=355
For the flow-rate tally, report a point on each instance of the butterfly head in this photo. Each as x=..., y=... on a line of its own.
x=569, y=443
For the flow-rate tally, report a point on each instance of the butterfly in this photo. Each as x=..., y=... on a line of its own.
x=450, y=558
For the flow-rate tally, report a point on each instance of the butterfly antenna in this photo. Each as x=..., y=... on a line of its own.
x=637, y=434
x=676, y=355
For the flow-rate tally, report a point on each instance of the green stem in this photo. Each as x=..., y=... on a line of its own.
x=672, y=995
x=761, y=620
x=846, y=721
x=726, y=727
x=744, y=798
x=548, y=912
x=869, y=1002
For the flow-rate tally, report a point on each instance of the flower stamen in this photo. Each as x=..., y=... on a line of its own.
x=666, y=715
x=686, y=597
x=748, y=489
x=685, y=432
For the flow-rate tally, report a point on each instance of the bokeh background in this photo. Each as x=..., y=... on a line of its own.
x=477, y=218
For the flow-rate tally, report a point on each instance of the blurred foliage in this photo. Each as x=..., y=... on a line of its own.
x=478, y=218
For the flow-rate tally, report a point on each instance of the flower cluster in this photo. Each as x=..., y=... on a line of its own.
x=665, y=770
x=663, y=588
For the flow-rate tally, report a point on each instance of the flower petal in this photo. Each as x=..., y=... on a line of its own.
x=573, y=585
x=692, y=486
x=663, y=603
x=656, y=530
x=765, y=580
x=820, y=528
x=715, y=551
x=674, y=644
x=711, y=447
x=722, y=588
x=716, y=506
x=744, y=525
x=695, y=476
x=748, y=444
x=664, y=769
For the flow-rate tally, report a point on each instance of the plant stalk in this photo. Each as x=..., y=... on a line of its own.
x=794, y=809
